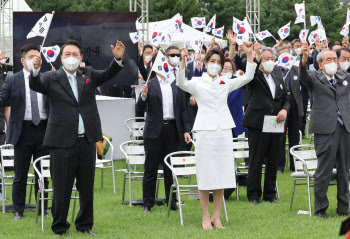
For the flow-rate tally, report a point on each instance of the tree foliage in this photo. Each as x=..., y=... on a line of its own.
x=273, y=13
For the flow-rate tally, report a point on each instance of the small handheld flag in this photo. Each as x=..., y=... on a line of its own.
x=161, y=66
x=262, y=35
x=286, y=60
x=315, y=20
x=218, y=32
x=198, y=22
x=51, y=53
x=303, y=34
x=348, y=17
x=135, y=36
x=300, y=9
x=197, y=44
x=177, y=23
x=42, y=26
x=284, y=31
x=345, y=30
x=211, y=24
x=236, y=26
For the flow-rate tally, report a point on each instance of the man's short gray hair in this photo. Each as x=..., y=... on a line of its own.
x=319, y=57
x=267, y=49
x=281, y=48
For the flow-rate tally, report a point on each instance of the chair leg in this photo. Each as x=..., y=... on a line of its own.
x=37, y=207
x=293, y=191
x=42, y=209
x=237, y=191
x=123, y=196
x=101, y=177
x=224, y=204
x=180, y=206
x=170, y=199
x=31, y=190
x=113, y=177
x=309, y=196
x=278, y=193
x=157, y=189
x=74, y=204
x=3, y=195
x=130, y=190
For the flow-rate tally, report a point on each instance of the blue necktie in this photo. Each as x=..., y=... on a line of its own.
x=74, y=86
x=340, y=118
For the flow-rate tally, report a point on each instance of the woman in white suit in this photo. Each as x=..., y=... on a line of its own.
x=213, y=124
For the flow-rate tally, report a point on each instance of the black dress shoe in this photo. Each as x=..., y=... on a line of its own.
x=273, y=201
x=46, y=214
x=175, y=208
x=60, y=234
x=147, y=209
x=255, y=201
x=18, y=216
x=343, y=213
x=87, y=232
x=321, y=214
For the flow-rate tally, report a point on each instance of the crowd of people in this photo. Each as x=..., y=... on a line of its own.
x=221, y=94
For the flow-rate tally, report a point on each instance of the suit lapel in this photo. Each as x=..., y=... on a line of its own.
x=264, y=82
x=63, y=80
x=339, y=81
x=175, y=91
x=276, y=74
x=322, y=77
x=22, y=85
x=81, y=83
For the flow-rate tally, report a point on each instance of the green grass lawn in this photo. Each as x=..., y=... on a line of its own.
x=116, y=220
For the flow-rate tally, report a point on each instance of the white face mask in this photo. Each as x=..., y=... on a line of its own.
x=214, y=69
x=344, y=65
x=174, y=60
x=202, y=56
x=331, y=68
x=30, y=65
x=228, y=74
x=298, y=51
x=311, y=51
x=3, y=61
x=268, y=66
x=291, y=52
x=147, y=59
x=71, y=63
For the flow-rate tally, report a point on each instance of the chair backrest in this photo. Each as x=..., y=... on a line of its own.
x=304, y=155
x=134, y=125
x=42, y=166
x=241, y=148
x=7, y=156
x=134, y=152
x=185, y=159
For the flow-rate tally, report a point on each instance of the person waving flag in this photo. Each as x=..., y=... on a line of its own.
x=284, y=31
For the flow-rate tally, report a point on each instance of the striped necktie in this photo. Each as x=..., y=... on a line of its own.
x=340, y=118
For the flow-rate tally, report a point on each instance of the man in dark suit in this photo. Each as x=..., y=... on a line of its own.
x=26, y=130
x=296, y=112
x=267, y=96
x=73, y=128
x=166, y=122
x=191, y=66
x=330, y=123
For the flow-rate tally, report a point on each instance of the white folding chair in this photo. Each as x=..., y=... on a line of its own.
x=7, y=161
x=305, y=162
x=134, y=152
x=188, y=160
x=133, y=125
x=42, y=168
x=106, y=163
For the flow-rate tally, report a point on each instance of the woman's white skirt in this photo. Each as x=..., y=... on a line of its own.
x=215, y=164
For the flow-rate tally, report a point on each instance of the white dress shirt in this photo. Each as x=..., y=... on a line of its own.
x=272, y=84
x=167, y=98
x=41, y=106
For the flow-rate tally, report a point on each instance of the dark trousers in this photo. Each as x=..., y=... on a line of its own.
x=156, y=150
x=330, y=149
x=303, y=120
x=293, y=124
x=67, y=164
x=261, y=146
x=30, y=144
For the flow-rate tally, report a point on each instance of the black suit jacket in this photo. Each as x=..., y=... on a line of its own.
x=13, y=92
x=295, y=85
x=154, y=118
x=62, y=127
x=261, y=102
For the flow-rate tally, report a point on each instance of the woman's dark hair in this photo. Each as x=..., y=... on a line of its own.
x=72, y=42
x=213, y=52
x=28, y=47
x=147, y=46
x=232, y=63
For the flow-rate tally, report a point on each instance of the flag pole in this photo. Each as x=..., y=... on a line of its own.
x=251, y=29
x=305, y=16
x=42, y=45
x=273, y=37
